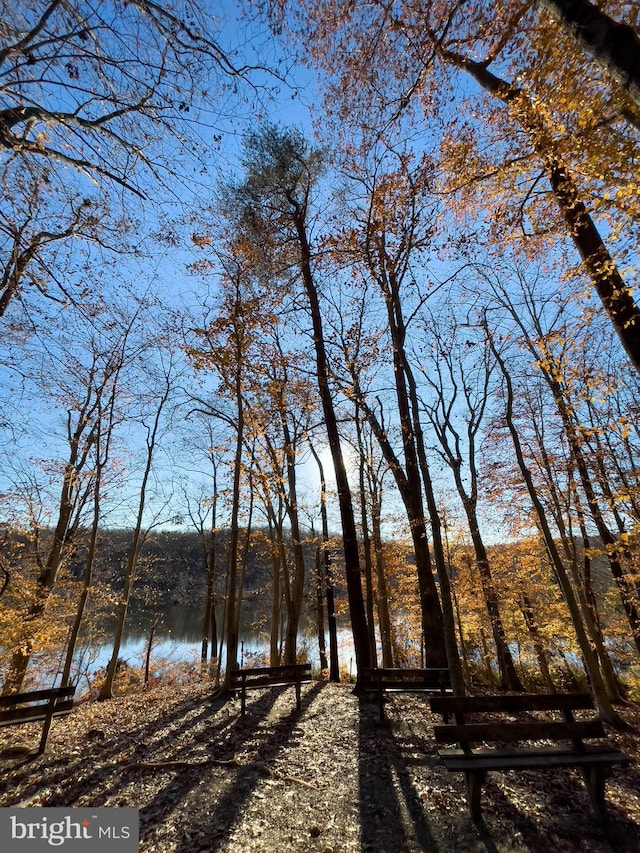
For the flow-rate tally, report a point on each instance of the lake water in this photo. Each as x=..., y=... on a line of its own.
x=178, y=640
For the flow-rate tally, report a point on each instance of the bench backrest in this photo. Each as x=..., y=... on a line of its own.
x=283, y=669
x=435, y=677
x=466, y=733
x=35, y=705
x=520, y=702
x=269, y=675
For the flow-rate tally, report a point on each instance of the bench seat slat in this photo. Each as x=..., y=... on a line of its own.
x=457, y=760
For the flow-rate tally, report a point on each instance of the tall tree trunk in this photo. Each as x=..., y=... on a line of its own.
x=86, y=586
x=463, y=644
x=100, y=464
x=448, y=617
x=431, y=612
x=526, y=608
x=294, y=600
x=322, y=640
x=334, y=667
x=106, y=691
x=382, y=598
x=609, y=673
x=432, y=619
x=62, y=537
x=509, y=678
x=366, y=539
x=452, y=449
x=613, y=44
x=569, y=547
x=626, y=588
x=275, y=537
x=210, y=624
x=551, y=367
x=245, y=554
x=349, y=534
x=232, y=608
x=614, y=294
x=388, y=272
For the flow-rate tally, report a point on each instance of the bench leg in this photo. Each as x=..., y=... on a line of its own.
x=380, y=702
x=595, y=778
x=474, y=780
x=44, y=737
x=298, y=695
x=243, y=699
x=46, y=728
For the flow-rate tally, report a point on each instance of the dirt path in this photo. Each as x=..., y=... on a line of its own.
x=329, y=780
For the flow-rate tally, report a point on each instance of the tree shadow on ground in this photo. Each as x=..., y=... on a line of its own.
x=69, y=781
x=225, y=809
x=410, y=803
x=569, y=816
x=391, y=812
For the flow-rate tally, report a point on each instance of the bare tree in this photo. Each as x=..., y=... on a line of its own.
x=153, y=428
x=455, y=411
x=601, y=694
x=99, y=103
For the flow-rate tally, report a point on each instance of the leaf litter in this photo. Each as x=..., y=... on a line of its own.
x=330, y=779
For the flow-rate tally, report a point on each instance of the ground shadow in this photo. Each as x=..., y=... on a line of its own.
x=69, y=782
x=226, y=809
x=391, y=813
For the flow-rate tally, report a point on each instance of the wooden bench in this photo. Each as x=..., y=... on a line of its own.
x=380, y=681
x=566, y=749
x=36, y=706
x=270, y=676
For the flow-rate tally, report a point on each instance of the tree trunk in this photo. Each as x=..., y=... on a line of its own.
x=614, y=294
x=626, y=588
x=275, y=537
x=322, y=640
x=598, y=686
x=382, y=598
x=509, y=679
x=210, y=625
x=294, y=601
x=614, y=45
x=526, y=608
x=334, y=666
x=350, y=538
x=366, y=540
x=448, y=617
x=106, y=691
x=232, y=609
x=90, y=559
x=63, y=535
